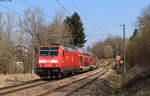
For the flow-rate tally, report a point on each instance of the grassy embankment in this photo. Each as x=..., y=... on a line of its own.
x=13, y=79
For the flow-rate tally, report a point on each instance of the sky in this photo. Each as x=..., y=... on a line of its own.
x=101, y=18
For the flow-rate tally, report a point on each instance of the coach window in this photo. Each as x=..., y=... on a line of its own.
x=63, y=53
x=91, y=59
x=81, y=58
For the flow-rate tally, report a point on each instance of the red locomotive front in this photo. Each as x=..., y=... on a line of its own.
x=49, y=60
x=55, y=60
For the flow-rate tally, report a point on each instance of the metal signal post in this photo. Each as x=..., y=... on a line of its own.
x=123, y=45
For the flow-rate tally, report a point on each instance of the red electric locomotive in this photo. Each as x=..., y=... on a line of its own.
x=55, y=61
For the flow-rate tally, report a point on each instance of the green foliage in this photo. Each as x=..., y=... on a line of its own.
x=134, y=34
x=75, y=26
x=78, y=30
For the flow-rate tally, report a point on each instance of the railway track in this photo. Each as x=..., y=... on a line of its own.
x=38, y=88
x=15, y=88
x=54, y=87
x=70, y=88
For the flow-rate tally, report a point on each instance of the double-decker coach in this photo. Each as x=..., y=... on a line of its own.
x=84, y=59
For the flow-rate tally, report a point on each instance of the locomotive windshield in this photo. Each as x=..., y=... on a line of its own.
x=49, y=51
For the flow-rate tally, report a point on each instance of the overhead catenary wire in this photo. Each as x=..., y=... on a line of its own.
x=2, y=6
x=30, y=5
x=93, y=25
x=27, y=3
x=77, y=8
x=63, y=6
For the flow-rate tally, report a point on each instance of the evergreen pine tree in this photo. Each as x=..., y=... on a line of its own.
x=73, y=31
x=134, y=34
x=77, y=30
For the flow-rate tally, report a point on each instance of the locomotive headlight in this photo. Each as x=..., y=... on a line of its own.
x=55, y=65
x=54, y=61
x=42, y=61
x=40, y=65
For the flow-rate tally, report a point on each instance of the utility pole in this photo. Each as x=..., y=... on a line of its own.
x=123, y=45
x=33, y=60
x=116, y=49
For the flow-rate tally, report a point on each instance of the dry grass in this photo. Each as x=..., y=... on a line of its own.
x=143, y=92
x=9, y=80
x=112, y=79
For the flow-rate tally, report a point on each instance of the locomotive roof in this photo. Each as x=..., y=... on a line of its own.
x=79, y=50
x=51, y=46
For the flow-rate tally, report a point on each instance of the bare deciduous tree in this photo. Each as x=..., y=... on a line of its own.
x=138, y=48
x=55, y=28
x=110, y=47
x=7, y=56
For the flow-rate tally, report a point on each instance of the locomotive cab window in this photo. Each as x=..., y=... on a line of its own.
x=44, y=51
x=49, y=51
x=53, y=51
